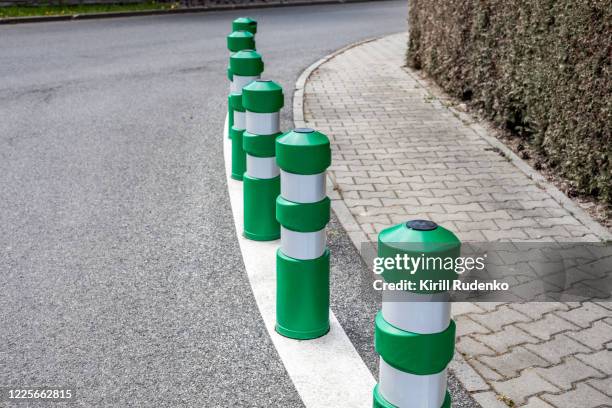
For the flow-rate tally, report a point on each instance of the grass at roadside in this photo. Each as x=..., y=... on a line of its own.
x=56, y=10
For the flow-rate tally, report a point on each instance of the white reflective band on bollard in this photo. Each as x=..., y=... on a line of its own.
x=301, y=188
x=262, y=167
x=417, y=313
x=302, y=245
x=239, y=120
x=240, y=82
x=262, y=123
x=407, y=390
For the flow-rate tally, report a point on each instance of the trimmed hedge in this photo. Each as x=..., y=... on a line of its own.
x=540, y=69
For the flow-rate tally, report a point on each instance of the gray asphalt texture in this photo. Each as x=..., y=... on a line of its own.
x=120, y=273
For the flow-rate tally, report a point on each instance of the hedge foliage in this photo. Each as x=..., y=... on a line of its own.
x=538, y=68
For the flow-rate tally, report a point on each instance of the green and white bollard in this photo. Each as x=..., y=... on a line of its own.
x=262, y=101
x=302, y=261
x=240, y=40
x=246, y=66
x=245, y=24
x=236, y=41
x=414, y=334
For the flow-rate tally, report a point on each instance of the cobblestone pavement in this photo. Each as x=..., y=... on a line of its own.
x=400, y=153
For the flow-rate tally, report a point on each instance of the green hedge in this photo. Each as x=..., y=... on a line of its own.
x=538, y=68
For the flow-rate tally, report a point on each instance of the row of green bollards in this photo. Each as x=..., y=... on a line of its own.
x=241, y=38
x=283, y=179
x=284, y=185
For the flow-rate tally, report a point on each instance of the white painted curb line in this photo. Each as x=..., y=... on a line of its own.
x=328, y=371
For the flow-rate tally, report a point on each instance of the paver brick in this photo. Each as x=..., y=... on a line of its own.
x=546, y=327
x=536, y=310
x=370, y=219
x=461, y=308
x=408, y=201
x=512, y=363
x=375, y=202
x=604, y=385
x=379, y=194
x=535, y=402
x=582, y=396
x=502, y=340
x=370, y=180
x=557, y=348
x=570, y=371
x=523, y=387
x=470, y=379
x=514, y=223
x=595, y=337
x=505, y=235
x=466, y=326
x=368, y=210
x=556, y=231
x=472, y=198
x=499, y=318
x=403, y=191
x=489, y=400
x=469, y=347
x=490, y=306
x=450, y=217
x=585, y=314
x=471, y=225
x=438, y=200
x=453, y=208
x=444, y=192
x=422, y=209
x=602, y=360
x=486, y=373
x=470, y=236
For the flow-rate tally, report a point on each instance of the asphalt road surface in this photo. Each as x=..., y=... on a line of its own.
x=120, y=274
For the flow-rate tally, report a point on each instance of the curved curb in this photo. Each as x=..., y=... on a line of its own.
x=300, y=84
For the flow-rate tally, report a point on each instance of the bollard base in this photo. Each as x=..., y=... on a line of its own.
x=301, y=335
x=260, y=222
x=258, y=237
x=302, y=296
x=238, y=154
x=381, y=402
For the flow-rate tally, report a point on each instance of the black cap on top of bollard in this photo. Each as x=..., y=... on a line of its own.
x=421, y=225
x=303, y=130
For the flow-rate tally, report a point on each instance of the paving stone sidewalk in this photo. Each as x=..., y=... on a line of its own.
x=400, y=153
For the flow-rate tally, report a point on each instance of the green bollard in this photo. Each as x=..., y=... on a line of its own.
x=236, y=41
x=262, y=101
x=240, y=40
x=246, y=66
x=302, y=261
x=245, y=24
x=414, y=333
